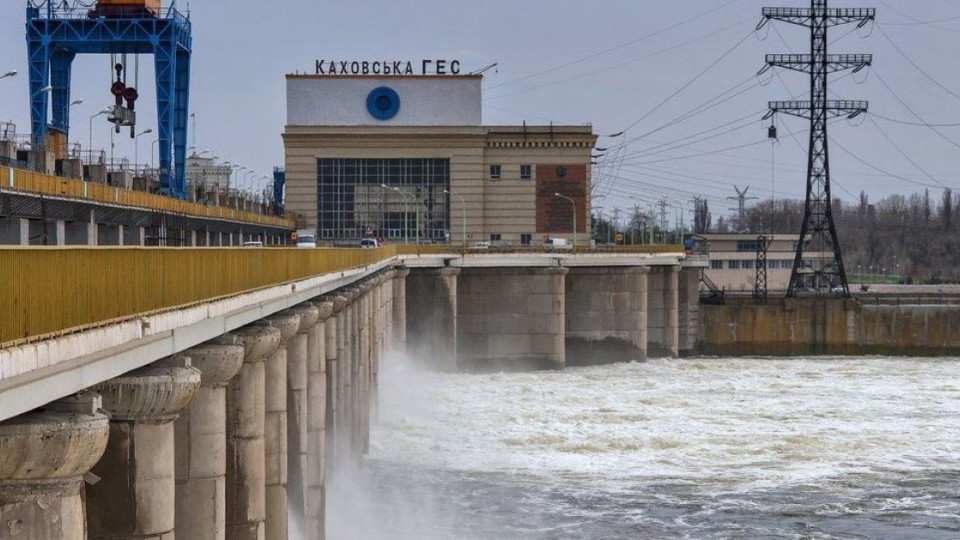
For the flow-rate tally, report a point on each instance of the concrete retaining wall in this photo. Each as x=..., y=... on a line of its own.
x=606, y=317
x=790, y=327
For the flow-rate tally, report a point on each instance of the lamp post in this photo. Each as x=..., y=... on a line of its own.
x=11, y=73
x=406, y=226
x=574, y=217
x=246, y=186
x=136, y=147
x=463, y=204
x=90, y=133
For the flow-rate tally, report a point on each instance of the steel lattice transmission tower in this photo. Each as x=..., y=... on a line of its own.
x=818, y=266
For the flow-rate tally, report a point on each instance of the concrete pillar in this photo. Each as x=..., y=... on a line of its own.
x=246, y=488
x=606, y=318
x=432, y=317
x=689, y=299
x=315, y=480
x=333, y=338
x=201, y=443
x=511, y=318
x=136, y=493
x=297, y=410
x=399, y=305
x=43, y=457
x=275, y=432
x=60, y=236
x=662, y=311
x=348, y=371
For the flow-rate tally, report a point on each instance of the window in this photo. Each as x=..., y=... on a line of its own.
x=773, y=265
x=733, y=265
x=716, y=265
x=748, y=265
x=494, y=237
x=526, y=172
x=525, y=239
x=786, y=265
x=495, y=172
x=746, y=245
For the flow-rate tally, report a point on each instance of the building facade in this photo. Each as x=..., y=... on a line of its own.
x=733, y=261
x=407, y=159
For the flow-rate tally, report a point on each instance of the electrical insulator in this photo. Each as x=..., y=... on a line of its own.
x=772, y=132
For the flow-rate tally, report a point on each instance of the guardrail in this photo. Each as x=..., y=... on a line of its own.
x=35, y=182
x=47, y=291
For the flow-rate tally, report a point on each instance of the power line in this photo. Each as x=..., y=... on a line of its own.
x=914, y=64
x=687, y=84
x=906, y=123
x=878, y=169
x=909, y=108
x=621, y=64
x=617, y=47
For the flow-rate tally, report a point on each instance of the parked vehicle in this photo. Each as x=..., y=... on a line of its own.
x=369, y=243
x=252, y=244
x=557, y=244
x=480, y=245
x=306, y=239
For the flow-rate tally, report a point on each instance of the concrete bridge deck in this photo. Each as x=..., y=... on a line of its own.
x=212, y=391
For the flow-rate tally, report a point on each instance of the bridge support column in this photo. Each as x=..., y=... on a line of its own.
x=201, y=443
x=510, y=318
x=606, y=319
x=399, y=305
x=432, y=317
x=689, y=298
x=246, y=490
x=275, y=432
x=135, y=496
x=297, y=410
x=43, y=457
x=333, y=337
x=315, y=496
x=663, y=312
x=348, y=369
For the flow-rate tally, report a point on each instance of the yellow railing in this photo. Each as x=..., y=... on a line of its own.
x=46, y=291
x=49, y=290
x=34, y=182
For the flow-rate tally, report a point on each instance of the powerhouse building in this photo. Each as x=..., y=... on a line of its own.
x=407, y=158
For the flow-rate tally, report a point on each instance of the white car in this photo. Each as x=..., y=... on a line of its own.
x=369, y=243
x=306, y=241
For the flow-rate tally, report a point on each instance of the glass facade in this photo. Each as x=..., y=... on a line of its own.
x=352, y=202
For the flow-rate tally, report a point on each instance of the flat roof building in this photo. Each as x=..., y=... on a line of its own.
x=406, y=157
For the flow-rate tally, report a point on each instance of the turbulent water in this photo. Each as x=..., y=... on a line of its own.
x=705, y=448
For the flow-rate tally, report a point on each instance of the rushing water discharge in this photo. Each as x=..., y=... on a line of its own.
x=702, y=448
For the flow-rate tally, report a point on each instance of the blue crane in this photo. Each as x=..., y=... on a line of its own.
x=55, y=35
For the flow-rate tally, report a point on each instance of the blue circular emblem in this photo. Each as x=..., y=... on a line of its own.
x=383, y=103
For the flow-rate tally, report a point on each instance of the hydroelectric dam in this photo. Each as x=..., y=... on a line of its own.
x=208, y=393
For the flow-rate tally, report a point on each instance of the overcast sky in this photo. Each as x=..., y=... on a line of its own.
x=612, y=63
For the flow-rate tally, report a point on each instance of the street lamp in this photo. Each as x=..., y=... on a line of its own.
x=12, y=73
x=90, y=139
x=136, y=147
x=464, y=205
x=406, y=226
x=574, y=217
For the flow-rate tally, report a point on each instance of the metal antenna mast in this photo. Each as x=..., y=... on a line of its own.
x=818, y=266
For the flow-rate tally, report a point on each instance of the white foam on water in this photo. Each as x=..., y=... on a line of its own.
x=729, y=424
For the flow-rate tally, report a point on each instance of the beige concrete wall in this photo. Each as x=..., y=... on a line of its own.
x=790, y=327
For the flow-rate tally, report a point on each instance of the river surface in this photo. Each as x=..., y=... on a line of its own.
x=701, y=448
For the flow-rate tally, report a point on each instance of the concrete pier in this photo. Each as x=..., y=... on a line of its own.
x=201, y=443
x=246, y=488
x=275, y=426
x=317, y=415
x=663, y=332
x=399, y=309
x=135, y=497
x=511, y=318
x=606, y=315
x=431, y=298
x=298, y=409
x=43, y=457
